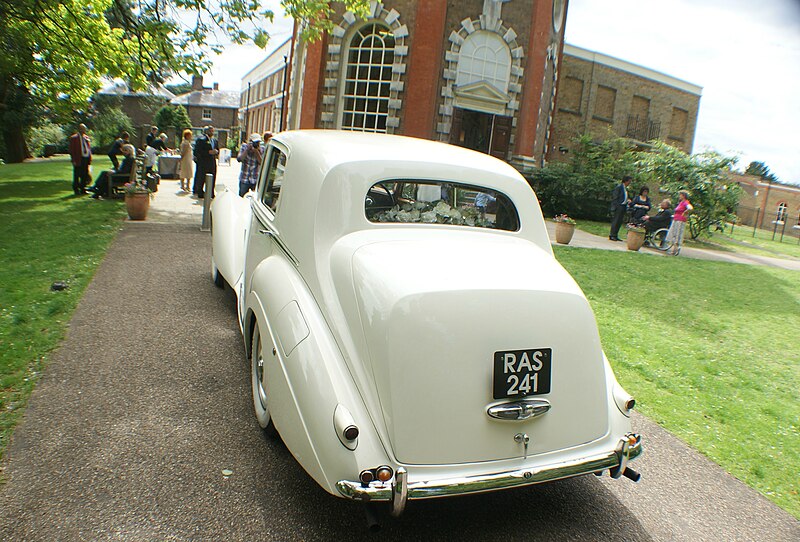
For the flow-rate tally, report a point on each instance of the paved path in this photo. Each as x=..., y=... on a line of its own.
x=148, y=400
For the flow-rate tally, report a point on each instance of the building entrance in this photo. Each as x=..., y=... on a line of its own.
x=482, y=132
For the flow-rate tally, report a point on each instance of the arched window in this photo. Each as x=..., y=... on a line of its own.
x=782, y=213
x=367, y=78
x=484, y=57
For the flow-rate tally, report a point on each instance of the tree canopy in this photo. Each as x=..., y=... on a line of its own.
x=760, y=169
x=53, y=53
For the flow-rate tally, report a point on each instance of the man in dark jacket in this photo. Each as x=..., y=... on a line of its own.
x=206, y=150
x=116, y=148
x=619, y=204
x=80, y=150
x=662, y=219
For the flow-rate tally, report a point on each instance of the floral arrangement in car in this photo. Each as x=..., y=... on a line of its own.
x=136, y=187
x=563, y=219
x=438, y=212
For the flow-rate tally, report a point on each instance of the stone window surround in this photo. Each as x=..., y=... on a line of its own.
x=337, y=63
x=457, y=37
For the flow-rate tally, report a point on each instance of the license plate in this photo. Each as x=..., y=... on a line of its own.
x=518, y=373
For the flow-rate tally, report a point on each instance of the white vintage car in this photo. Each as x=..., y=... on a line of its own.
x=411, y=334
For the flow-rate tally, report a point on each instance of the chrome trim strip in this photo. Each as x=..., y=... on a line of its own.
x=424, y=489
x=519, y=410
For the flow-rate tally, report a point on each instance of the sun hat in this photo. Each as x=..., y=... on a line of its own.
x=255, y=138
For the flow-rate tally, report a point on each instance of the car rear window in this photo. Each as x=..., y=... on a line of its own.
x=440, y=202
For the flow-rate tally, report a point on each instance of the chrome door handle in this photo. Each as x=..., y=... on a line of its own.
x=266, y=232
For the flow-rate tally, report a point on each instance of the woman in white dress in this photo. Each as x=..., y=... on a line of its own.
x=186, y=167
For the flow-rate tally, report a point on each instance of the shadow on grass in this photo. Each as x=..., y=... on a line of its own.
x=35, y=190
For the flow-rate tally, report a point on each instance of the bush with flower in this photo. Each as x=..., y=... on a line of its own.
x=136, y=187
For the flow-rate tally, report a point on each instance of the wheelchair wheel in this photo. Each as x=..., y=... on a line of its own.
x=660, y=239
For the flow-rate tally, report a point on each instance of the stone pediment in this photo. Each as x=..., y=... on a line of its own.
x=481, y=96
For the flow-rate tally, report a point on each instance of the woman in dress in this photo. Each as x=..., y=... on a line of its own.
x=640, y=205
x=186, y=173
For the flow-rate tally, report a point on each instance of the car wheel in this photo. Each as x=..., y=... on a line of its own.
x=260, y=403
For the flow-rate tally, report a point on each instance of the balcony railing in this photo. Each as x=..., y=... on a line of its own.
x=642, y=129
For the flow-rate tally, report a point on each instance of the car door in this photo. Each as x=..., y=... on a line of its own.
x=263, y=229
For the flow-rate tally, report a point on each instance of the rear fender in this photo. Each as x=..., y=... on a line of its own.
x=307, y=378
x=230, y=218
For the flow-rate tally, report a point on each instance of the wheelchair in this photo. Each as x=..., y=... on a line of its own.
x=657, y=239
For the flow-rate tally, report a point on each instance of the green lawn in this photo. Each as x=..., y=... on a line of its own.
x=711, y=352
x=48, y=235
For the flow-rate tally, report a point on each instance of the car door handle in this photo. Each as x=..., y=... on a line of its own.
x=266, y=232
x=519, y=410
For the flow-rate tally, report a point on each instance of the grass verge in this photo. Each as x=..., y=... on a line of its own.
x=48, y=235
x=710, y=351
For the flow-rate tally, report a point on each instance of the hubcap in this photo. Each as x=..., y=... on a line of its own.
x=259, y=366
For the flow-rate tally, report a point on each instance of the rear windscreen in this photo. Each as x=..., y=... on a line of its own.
x=440, y=202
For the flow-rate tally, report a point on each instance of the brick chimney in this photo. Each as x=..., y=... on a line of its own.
x=197, y=82
x=216, y=86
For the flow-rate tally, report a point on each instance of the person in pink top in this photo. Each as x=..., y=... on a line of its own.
x=675, y=234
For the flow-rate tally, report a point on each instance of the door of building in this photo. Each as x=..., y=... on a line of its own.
x=482, y=132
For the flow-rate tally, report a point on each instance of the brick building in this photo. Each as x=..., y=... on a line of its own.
x=764, y=203
x=211, y=107
x=602, y=95
x=476, y=73
x=139, y=106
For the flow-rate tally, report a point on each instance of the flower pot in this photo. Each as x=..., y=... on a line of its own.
x=635, y=239
x=564, y=232
x=138, y=205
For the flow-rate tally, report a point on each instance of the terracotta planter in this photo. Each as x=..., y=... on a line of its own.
x=564, y=232
x=635, y=239
x=138, y=205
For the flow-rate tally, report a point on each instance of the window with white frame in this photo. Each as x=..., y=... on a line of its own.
x=484, y=56
x=783, y=213
x=367, y=77
x=206, y=113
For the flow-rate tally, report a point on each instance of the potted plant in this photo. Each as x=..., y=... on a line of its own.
x=565, y=228
x=635, y=237
x=137, y=200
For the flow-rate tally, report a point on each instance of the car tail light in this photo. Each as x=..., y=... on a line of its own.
x=366, y=476
x=384, y=473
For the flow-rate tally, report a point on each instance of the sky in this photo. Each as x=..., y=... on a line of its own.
x=744, y=53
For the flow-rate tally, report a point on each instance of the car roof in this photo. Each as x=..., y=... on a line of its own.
x=331, y=148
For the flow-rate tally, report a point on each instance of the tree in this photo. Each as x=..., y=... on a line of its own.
x=761, y=170
x=581, y=187
x=54, y=52
x=712, y=193
x=172, y=116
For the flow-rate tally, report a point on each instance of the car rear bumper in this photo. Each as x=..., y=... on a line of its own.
x=404, y=487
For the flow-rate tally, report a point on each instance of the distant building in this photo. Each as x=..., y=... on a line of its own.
x=261, y=103
x=599, y=94
x=768, y=205
x=211, y=107
x=139, y=106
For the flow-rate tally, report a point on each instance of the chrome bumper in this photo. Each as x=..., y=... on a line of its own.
x=628, y=447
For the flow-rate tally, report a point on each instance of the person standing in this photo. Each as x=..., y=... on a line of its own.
x=80, y=150
x=206, y=150
x=116, y=148
x=185, y=165
x=250, y=156
x=152, y=136
x=675, y=234
x=619, y=204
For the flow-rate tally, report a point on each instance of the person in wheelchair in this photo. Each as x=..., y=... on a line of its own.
x=662, y=219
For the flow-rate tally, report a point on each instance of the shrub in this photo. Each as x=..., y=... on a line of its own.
x=46, y=133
